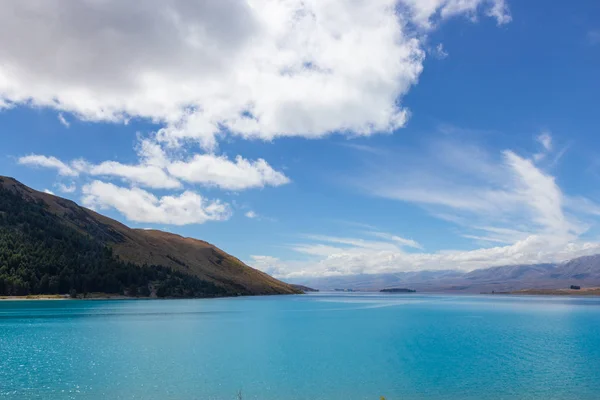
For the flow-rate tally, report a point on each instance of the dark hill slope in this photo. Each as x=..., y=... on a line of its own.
x=57, y=236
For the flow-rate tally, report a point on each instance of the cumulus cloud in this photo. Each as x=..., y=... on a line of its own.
x=208, y=169
x=138, y=205
x=48, y=162
x=254, y=68
x=48, y=191
x=251, y=214
x=427, y=13
x=499, y=10
x=157, y=170
x=143, y=174
x=66, y=188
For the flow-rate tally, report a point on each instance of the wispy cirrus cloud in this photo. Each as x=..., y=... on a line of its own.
x=470, y=184
x=400, y=241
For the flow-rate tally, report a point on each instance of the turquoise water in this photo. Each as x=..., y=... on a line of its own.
x=317, y=347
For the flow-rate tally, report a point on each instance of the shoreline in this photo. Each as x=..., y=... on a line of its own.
x=60, y=297
x=35, y=297
x=106, y=296
x=583, y=292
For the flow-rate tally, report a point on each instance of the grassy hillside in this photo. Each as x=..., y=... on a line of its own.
x=51, y=245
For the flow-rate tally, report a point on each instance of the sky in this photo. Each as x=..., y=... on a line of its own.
x=316, y=137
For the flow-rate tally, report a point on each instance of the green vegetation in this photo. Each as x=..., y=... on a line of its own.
x=397, y=290
x=41, y=255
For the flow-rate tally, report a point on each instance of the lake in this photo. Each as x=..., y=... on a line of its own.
x=314, y=347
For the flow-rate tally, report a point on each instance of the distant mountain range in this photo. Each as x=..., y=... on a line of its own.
x=51, y=245
x=582, y=271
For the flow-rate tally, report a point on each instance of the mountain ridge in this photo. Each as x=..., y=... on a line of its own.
x=582, y=271
x=187, y=256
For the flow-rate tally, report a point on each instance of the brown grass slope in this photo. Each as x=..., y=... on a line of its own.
x=153, y=247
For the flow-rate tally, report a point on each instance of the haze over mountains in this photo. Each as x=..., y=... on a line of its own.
x=51, y=245
x=582, y=271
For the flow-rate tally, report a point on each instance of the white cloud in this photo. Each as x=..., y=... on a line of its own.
x=327, y=260
x=500, y=11
x=545, y=139
x=439, y=52
x=254, y=68
x=427, y=13
x=397, y=239
x=63, y=120
x=251, y=214
x=467, y=183
x=357, y=243
x=546, y=142
x=48, y=191
x=66, y=189
x=48, y=162
x=143, y=174
x=548, y=149
x=146, y=175
x=5, y=105
x=212, y=170
x=159, y=171
x=138, y=205
x=541, y=196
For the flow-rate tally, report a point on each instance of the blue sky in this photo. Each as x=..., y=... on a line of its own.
x=372, y=137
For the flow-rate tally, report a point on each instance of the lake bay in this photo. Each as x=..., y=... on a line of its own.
x=320, y=346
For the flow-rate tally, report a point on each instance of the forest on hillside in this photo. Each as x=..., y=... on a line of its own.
x=39, y=254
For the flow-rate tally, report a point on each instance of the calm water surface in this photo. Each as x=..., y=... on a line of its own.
x=317, y=347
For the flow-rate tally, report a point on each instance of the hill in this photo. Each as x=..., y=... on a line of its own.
x=304, y=289
x=52, y=245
